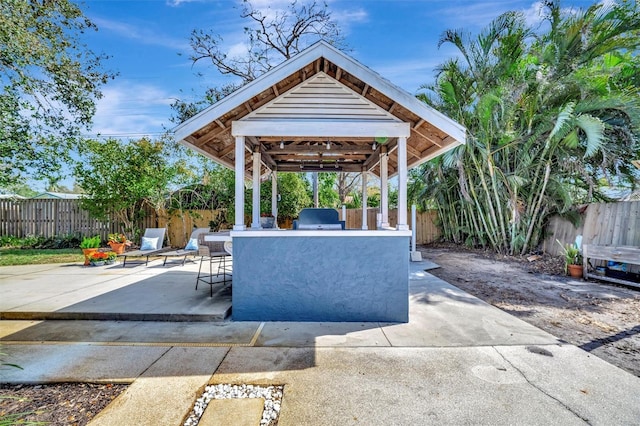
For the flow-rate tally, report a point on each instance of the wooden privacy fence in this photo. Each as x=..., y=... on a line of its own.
x=53, y=217
x=613, y=224
x=179, y=226
x=602, y=224
x=426, y=229
x=49, y=218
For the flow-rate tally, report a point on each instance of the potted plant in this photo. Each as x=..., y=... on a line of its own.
x=118, y=242
x=572, y=260
x=89, y=245
x=111, y=257
x=98, y=258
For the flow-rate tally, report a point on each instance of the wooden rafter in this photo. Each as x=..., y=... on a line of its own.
x=429, y=138
x=200, y=142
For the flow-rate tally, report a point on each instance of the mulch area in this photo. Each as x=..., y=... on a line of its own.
x=62, y=404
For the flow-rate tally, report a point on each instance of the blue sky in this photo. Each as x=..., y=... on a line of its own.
x=148, y=42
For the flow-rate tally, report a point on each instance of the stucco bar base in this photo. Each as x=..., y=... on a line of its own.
x=321, y=276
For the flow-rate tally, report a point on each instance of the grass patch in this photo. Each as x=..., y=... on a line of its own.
x=15, y=256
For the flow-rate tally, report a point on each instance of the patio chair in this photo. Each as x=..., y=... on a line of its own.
x=214, y=251
x=152, y=241
x=191, y=249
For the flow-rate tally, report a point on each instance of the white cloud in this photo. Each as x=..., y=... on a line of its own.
x=132, y=109
x=176, y=3
x=238, y=50
x=141, y=33
x=347, y=17
x=534, y=14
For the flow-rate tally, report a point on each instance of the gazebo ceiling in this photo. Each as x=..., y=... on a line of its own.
x=320, y=111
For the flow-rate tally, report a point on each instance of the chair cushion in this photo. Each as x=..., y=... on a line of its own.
x=192, y=244
x=149, y=243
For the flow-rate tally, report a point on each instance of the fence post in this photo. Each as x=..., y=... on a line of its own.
x=416, y=256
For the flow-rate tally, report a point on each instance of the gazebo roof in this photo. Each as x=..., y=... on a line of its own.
x=320, y=110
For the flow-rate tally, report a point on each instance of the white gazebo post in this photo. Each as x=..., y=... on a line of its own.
x=402, y=184
x=274, y=197
x=364, y=198
x=384, y=186
x=255, y=202
x=239, y=172
x=316, y=195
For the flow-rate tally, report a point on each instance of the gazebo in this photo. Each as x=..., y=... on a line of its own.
x=320, y=111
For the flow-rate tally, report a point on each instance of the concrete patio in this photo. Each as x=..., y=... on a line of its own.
x=457, y=361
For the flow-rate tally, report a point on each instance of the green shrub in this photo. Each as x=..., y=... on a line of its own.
x=90, y=242
x=60, y=242
x=10, y=241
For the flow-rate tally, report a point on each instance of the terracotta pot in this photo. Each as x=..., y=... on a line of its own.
x=575, y=271
x=87, y=252
x=118, y=248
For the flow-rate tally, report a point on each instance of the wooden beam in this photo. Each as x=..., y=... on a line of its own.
x=333, y=140
x=327, y=168
x=275, y=90
x=429, y=138
x=373, y=159
x=267, y=160
x=411, y=150
x=338, y=73
x=418, y=123
x=226, y=150
x=209, y=137
x=449, y=140
x=365, y=90
x=303, y=158
x=292, y=149
x=220, y=123
x=248, y=107
x=392, y=107
x=252, y=142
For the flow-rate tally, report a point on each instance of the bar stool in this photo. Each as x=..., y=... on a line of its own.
x=214, y=250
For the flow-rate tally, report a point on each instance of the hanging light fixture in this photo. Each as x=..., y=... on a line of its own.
x=328, y=145
x=373, y=147
x=281, y=143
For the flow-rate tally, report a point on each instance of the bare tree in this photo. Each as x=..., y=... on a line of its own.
x=272, y=37
x=347, y=183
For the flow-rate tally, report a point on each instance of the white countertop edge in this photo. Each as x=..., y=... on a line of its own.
x=315, y=233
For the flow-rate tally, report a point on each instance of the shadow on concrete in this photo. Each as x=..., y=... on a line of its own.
x=170, y=296
x=595, y=344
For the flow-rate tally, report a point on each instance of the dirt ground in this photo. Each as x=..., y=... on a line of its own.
x=601, y=318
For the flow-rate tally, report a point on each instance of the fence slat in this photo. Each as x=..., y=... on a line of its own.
x=610, y=224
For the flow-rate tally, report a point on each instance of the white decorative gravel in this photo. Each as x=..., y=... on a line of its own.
x=272, y=396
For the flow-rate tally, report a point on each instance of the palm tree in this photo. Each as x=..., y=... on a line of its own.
x=548, y=115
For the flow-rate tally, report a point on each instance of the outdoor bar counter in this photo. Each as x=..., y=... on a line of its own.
x=321, y=275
